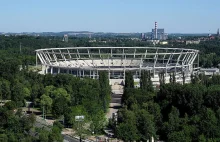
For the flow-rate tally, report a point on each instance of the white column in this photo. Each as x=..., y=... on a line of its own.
x=109, y=74
x=58, y=70
x=51, y=70
x=79, y=73
x=124, y=73
x=45, y=69
x=97, y=74
x=93, y=72
x=36, y=59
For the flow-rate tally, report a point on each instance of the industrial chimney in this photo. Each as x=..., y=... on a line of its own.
x=155, y=30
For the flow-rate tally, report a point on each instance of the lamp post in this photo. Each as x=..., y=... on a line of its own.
x=79, y=119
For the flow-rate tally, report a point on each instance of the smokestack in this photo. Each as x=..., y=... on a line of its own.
x=155, y=30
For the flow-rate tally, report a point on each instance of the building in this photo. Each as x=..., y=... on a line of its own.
x=158, y=34
x=192, y=42
x=161, y=35
x=154, y=41
x=143, y=37
x=89, y=61
x=65, y=38
x=164, y=42
x=209, y=71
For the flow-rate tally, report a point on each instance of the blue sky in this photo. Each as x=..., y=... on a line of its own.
x=179, y=16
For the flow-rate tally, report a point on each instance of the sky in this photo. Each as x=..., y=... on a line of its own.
x=175, y=16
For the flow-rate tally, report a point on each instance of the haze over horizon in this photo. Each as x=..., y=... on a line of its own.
x=197, y=16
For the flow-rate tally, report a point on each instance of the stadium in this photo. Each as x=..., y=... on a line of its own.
x=88, y=61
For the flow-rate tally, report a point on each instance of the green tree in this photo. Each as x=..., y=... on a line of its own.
x=208, y=124
x=27, y=93
x=145, y=81
x=129, y=80
x=212, y=97
x=174, y=120
x=145, y=125
x=5, y=89
x=104, y=89
x=76, y=111
x=55, y=135
x=98, y=121
x=3, y=138
x=60, y=92
x=46, y=102
x=178, y=136
x=18, y=94
x=59, y=106
x=127, y=132
x=44, y=136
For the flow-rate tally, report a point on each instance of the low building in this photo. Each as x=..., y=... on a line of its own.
x=192, y=42
x=163, y=42
x=209, y=71
x=154, y=41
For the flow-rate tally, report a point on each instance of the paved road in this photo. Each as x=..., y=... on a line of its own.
x=40, y=123
x=115, y=104
x=69, y=139
x=116, y=98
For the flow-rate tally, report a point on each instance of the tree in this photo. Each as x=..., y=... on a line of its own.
x=5, y=89
x=48, y=90
x=10, y=105
x=55, y=135
x=127, y=132
x=27, y=93
x=212, y=97
x=104, y=89
x=172, y=78
x=98, y=121
x=145, y=125
x=178, y=136
x=129, y=80
x=18, y=94
x=79, y=126
x=59, y=106
x=162, y=78
x=44, y=136
x=190, y=100
x=208, y=124
x=36, y=92
x=174, y=121
x=129, y=86
x=3, y=138
x=60, y=92
x=46, y=102
x=154, y=109
x=145, y=81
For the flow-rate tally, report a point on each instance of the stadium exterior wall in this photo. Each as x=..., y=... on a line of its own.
x=88, y=61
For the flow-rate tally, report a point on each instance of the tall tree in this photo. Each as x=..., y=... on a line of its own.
x=145, y=81
x=129, y=80
x=104, y=89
